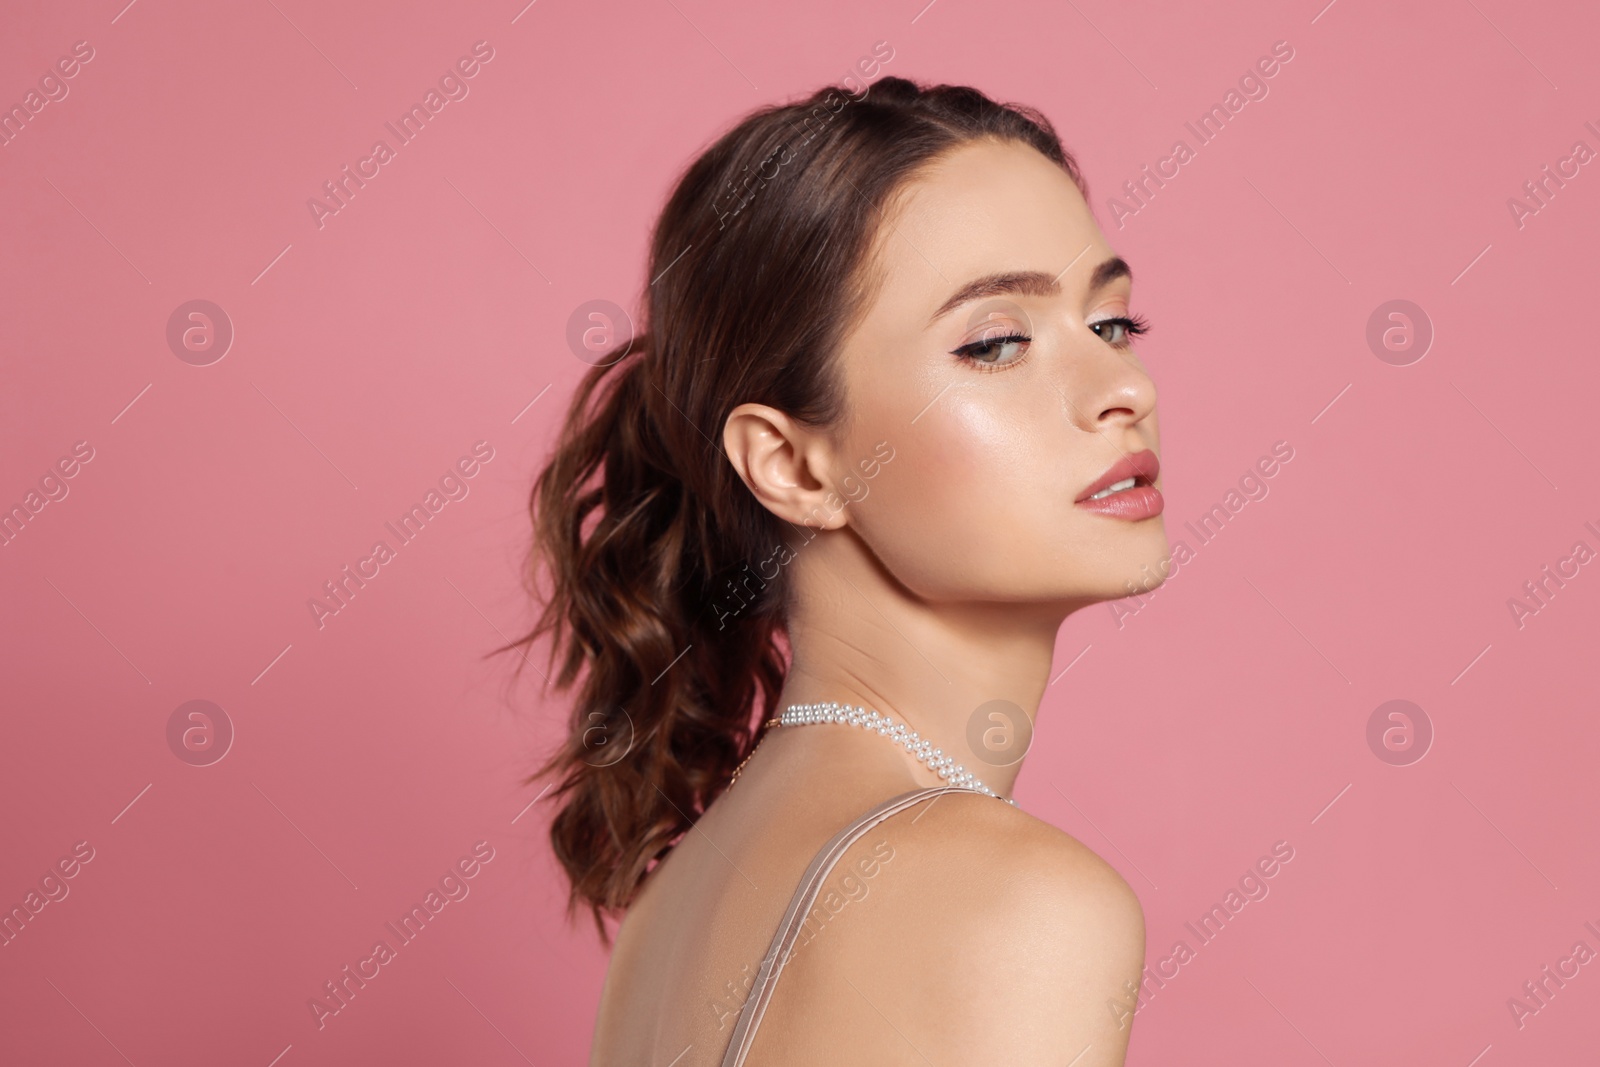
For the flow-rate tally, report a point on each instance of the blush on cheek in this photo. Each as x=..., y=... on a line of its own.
x=1016, y=449
x=949, y=501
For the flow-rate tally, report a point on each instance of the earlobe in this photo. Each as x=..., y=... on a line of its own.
x=776, y=459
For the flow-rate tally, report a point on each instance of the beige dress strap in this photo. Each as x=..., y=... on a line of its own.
x=805, y=896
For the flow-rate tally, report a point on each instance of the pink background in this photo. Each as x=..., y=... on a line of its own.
x=371, y=354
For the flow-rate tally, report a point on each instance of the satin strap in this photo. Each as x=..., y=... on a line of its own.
x=805, y=896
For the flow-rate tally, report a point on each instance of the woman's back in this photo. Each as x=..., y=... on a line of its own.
x=688, y=952
x=951, y=868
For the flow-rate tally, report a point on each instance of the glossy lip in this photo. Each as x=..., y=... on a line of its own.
x=1143, y=464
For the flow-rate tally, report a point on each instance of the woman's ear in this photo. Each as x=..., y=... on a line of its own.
x=784, y=464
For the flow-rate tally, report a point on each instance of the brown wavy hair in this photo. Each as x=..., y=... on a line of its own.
x=651, y=543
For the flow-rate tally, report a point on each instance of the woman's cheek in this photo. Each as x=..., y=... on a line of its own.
x=988, y=448
x=958, y=480
x=965, y=430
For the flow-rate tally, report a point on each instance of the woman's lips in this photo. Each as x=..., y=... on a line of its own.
x=1140, y=502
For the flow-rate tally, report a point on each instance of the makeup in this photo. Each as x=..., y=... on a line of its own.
x=1128, y=489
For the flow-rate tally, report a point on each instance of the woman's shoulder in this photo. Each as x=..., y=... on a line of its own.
x=1014, y=870
x=995, y=936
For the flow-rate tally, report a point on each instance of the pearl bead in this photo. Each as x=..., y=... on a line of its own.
x=901, y=734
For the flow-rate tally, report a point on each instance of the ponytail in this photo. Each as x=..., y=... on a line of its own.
x=664, y=712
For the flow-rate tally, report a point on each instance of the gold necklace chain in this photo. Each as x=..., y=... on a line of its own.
x=774, y=721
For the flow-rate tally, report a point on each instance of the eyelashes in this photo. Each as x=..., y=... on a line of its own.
x=1132, y=326
x=978, y=353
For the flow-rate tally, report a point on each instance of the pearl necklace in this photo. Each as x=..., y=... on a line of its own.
x=900, y=733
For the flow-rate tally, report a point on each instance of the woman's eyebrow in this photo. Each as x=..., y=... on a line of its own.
x=1108, y=272
x=1029, y=283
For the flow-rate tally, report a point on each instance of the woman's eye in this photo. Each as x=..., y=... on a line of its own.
x=1122, y=329
x=1001, y=350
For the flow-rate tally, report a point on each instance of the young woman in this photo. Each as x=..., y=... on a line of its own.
x=882, y=430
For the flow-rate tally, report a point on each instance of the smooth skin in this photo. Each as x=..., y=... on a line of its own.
x=938, y=586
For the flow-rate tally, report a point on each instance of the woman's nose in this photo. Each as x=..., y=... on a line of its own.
x=1104, y=385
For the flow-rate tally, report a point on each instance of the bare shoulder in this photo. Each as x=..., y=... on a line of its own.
x=1017, y=874
x=997, y=938
x=963, y=828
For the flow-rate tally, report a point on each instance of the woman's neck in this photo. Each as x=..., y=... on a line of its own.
x=966, y=676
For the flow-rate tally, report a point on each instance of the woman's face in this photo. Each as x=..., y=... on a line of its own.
x=994, y=448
